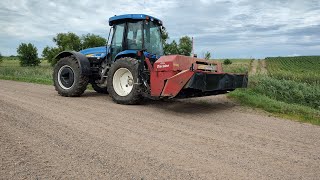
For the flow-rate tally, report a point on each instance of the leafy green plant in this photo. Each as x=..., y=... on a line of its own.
x=227, y=62
x=28, y=55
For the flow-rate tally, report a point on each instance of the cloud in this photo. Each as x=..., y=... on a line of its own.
x=239, y=28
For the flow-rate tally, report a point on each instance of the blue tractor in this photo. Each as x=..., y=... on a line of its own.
x=133, y=67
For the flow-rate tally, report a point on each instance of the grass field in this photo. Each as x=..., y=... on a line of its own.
x=11, y=70
x=237, y=66
x=291, y=88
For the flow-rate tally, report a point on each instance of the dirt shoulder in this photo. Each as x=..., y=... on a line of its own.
x=46, y=136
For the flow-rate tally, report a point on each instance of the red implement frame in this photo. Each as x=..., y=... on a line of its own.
x=169, y=74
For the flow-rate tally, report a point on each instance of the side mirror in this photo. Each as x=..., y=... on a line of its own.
x=163, y=28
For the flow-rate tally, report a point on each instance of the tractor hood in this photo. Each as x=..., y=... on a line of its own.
x=97, y=52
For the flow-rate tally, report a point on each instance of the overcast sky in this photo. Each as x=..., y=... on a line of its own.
x=227, y=29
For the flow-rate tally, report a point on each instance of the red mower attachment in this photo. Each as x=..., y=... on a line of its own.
x=183, y=76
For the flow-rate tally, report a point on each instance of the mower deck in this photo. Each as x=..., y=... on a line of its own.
x=184, y=76
x=216, y=82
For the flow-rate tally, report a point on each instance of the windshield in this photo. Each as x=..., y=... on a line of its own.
x=134, y=36
x=152, y=38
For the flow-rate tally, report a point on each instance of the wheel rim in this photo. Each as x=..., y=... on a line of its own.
x=122, y=82
x=66, y=77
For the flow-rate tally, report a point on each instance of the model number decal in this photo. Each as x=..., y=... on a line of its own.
x=162, y=66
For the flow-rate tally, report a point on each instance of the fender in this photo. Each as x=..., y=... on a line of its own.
x=83, y=61
x=126, y=53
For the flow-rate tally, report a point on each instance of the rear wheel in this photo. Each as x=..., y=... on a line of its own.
x=67, y=78
x=123, y=85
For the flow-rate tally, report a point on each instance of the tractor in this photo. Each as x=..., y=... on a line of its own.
x=133, y=67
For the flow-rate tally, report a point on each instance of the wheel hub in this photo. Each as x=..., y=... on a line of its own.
x=130, y=81
x=66, y=77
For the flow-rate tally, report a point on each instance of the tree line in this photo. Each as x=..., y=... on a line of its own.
x=71, y=42
x=28, y=53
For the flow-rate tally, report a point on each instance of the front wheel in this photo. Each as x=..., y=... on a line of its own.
x=67, y=79
x=123, y=85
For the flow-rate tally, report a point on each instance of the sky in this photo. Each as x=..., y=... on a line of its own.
x=227, y=29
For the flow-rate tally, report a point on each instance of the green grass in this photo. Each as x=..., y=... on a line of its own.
x=291, y=111
x=237, y=66
x=11, y=70
x=291, y=88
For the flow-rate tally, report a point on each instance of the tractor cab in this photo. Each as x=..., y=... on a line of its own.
x=132, y=33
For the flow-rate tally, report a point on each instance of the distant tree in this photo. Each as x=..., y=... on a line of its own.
x=227, y=62
x=207, y=55
x=185, y=46
x=49, y=53
x=92, y=40
x=1, y=58
x=171, y=48
x=13, y=57
x=28, y=55
x=64, y=41
x=71, y=42
x=68, y=41
x=164, y=36
x=168, y=48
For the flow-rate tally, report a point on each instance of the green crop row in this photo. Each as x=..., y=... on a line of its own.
x=287, y=91
x=304, y=69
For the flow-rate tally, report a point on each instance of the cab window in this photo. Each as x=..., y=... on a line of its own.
x=116, y=45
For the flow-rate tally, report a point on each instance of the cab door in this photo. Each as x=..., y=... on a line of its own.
x=117, y=42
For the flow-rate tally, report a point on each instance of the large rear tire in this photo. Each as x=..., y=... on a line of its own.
x=123, y=85
x=67, y=78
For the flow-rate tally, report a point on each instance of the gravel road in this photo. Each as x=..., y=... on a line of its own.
x=46, y=136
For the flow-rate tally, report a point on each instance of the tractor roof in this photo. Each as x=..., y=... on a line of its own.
x=113, y=20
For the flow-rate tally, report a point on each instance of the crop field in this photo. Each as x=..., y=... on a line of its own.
x=293, y=80
x=301, y=69
x=290, y=88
